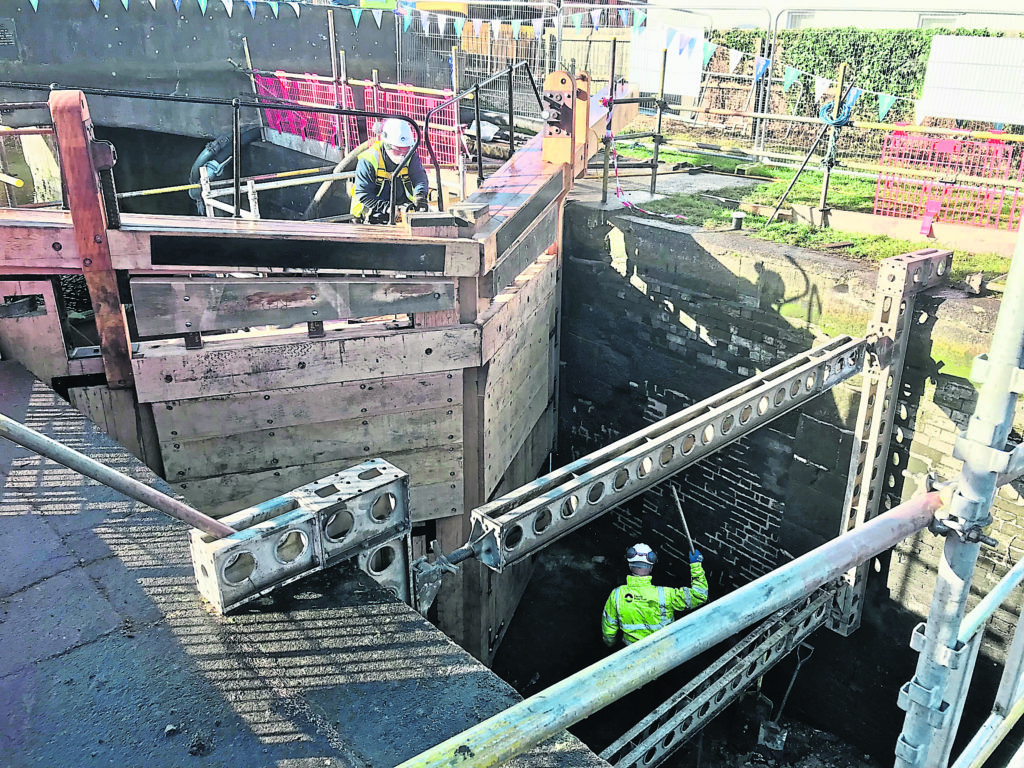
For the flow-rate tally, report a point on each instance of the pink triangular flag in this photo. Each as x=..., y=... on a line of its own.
x=478, y=25
x=377, y=16
x=228, y=6
x=735, y=57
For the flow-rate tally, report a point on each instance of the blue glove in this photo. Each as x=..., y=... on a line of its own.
x=696, y=557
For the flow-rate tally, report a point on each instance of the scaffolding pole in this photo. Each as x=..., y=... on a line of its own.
x=547, y=713
x=927, y=730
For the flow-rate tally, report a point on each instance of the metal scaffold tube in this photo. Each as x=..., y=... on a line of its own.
x=927, y=731
x=530, y=722
x=51, y=449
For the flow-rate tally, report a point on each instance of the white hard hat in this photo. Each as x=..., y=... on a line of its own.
x=397, y=133
x=641, y=554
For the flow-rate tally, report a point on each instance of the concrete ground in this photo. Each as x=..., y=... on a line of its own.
x=635, y=186
x=109, y=657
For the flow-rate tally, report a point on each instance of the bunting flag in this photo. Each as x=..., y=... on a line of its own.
x=735, y=57
x=35, y=5
x=442, y=22
x=885, y=102
x=595, y=17
x=177, y=4
x=851, y=98
x=228, y=6
x=516, y=26
x=495, y=29
x=406, y=21
x=821, y=84
x=690, y=45
x=252, y=7
x=378, y=15
x=638, y=19
x=709, y=51
x=683, y=40
x=425, y=21
x=623, y=16
x=790, y=76
x=357, y=14
x=275, y=7
x=202, y=6
x=669, y=36
x=151, y=2
x=125, y=4
x=577, y=21
x=538, y=27
x=761, y=65
x=96, y=4
x=295, y=7
x=478, y=24
x=460, y=24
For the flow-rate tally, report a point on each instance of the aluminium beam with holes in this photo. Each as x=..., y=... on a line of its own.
x=900, y=279
x=509, y=529
x=672, y=723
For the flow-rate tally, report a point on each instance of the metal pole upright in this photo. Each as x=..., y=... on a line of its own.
x=608, y=127
x=982, y=448
x=657, y=131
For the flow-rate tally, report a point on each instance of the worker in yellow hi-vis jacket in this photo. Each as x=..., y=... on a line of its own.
x=639, y=608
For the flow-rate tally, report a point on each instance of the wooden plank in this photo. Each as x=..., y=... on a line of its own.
x=34, y=241
x=167, y=371
x=226, y=415
x=505, y=436
x=147, y=242
x=117, y=413
x=165, y=305
x=311, y=443
x=37, y=341
x=75, y=141
x=508, y=309
x=534, y=242
x=219, y=496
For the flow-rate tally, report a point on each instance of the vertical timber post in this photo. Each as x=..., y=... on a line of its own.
x=76, y=145
x=899, y=280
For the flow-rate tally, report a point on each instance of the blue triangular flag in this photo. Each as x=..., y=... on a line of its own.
x=202, y=6
x=275, y=7
x=252, y=7
x=623, y=16
x=35, y=5
x=669, y=35
x=577, y=21
x=690, y=45
x=357, y=14
x=638, y=19
x=96, y=4
x=709, y=51
x=177, y=5
x=516, y=26
x=595, y=17
x=459, y=23
x=792, y=73
x=406, y=22
x=761, y=65
x=885, y=102
x=854, y=94
x=125, y=4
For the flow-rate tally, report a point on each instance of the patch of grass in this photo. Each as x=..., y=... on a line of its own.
x=847, y=193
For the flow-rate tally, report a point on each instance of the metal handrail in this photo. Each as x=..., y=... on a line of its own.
x=475, y=90
x=236, y=106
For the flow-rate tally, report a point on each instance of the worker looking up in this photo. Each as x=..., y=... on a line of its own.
x=639, y=608
x=371, y=190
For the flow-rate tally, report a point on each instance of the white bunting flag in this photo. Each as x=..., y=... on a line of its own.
x=495, y=28
x=228, y=6
x=595, y=17
x=442, y=22
x=478, y=25
x=821, y=85
x=735, y=57
x=151, y=2
x=295, y=7
x=378, y=15
x=538, y=27
x=425, y=20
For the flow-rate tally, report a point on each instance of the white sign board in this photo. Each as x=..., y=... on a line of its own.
x=975, y=78
x=683, y=63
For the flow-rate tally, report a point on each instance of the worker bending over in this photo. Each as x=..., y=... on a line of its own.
x=371, y=190
x=639, y=608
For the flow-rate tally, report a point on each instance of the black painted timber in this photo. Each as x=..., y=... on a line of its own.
x=513, y=229
x=524, y=252
x=299, y=254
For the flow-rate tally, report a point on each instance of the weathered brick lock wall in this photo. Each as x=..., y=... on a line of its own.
x=657, y=316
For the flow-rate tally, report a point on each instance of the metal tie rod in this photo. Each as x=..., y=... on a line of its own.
x=547, y=713
x=161, y=502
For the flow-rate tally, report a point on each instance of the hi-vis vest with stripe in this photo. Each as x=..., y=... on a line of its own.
x=375, y=156
x=639, y=608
